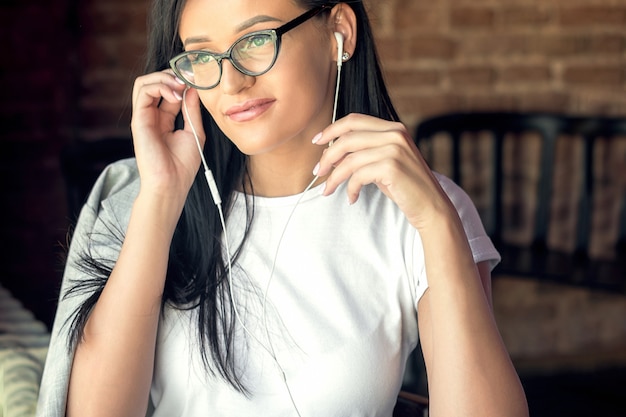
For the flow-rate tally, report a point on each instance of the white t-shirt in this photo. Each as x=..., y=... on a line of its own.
x=340, y=310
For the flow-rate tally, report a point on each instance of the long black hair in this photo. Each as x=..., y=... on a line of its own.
x=197, y=274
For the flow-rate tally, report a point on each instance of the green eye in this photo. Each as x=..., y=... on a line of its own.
x=199, y=59
x=256, y=41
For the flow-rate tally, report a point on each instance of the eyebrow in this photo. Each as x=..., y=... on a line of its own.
x=243, y=26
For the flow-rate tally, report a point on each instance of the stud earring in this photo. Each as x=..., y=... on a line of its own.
x=345, y=56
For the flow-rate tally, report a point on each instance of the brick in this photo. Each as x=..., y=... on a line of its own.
x=410, y=78
x=471, y=76
x=390, y=49
x=521, y=73
x=551, y=45
x=487, y=45
x=609, y=44
x=434, y=47
x=593, y=15
x=589, y=44
x=531, y=16
x=472, y=17
x=614, y=75
x=415, y=19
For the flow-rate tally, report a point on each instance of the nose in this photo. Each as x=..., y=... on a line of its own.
x=233, y=81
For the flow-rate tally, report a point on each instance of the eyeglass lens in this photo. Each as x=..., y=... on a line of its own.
x=253, y=54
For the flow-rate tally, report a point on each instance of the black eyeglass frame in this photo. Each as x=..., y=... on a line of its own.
x=276, y=35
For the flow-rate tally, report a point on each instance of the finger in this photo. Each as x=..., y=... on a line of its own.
x=166, y=77
x=152, y=103
x=355, y=122
x=348, y=144
x=352, y=165
x=152, y=95
x=357, y=141
x=378, y=172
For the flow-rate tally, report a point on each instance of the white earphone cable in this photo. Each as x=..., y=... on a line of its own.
x=218, y=202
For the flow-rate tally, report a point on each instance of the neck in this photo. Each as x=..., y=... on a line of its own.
x=282, y=174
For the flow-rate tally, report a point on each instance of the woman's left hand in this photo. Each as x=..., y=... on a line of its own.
x=371, y=150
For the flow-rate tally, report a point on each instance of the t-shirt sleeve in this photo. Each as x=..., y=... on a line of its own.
x=481, y=245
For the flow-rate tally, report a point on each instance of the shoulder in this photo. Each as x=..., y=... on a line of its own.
x=114, y=192
x=119, y=180
x=106, y=212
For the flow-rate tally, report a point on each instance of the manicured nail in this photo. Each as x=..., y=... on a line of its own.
x=317, y=137
x=179, y=81
x=178, y=96
x=316, y=169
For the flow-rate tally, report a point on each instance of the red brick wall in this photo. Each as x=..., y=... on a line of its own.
x=463, y=55
x=67, y=69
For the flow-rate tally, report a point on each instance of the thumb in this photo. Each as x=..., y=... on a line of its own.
x=192, y=115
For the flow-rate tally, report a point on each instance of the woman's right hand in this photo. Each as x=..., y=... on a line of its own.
x=167, y=159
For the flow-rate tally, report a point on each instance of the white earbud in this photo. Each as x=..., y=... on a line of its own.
x=339, y=38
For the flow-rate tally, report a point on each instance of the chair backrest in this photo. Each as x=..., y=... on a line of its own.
x=542, y=180
x=83, y=161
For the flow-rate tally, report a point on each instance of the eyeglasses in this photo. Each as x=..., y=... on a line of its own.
x=253, y=54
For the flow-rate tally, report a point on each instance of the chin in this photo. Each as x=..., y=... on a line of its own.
x=253, y=144
x=257, y=138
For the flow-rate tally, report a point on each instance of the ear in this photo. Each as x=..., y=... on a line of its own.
x=343, y=21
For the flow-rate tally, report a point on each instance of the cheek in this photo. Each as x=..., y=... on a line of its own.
x=209, y=100
x=311, y=66
x=308, y=81
x=206, y=99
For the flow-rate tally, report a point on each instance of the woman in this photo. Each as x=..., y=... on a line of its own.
x=301, y=303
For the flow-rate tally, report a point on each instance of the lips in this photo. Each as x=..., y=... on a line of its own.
x=249, y=110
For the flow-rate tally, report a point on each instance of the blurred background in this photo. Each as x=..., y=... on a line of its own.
x=66, y=74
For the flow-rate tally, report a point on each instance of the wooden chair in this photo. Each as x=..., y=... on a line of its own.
x=547, y=187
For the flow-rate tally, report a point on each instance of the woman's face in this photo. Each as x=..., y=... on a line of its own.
x=283, y=108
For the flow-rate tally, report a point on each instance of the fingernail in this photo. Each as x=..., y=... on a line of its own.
x=179, y=81
x=178, y=96
x=317, y=137
x=316, y=169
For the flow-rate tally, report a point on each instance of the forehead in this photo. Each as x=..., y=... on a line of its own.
x=215, y=20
